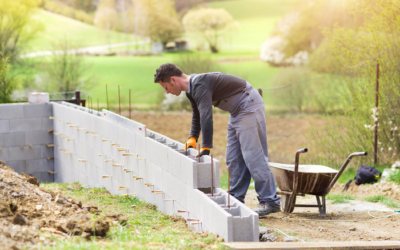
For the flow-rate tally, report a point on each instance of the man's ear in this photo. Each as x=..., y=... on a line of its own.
x=170, y=80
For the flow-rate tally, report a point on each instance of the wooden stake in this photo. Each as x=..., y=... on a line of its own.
x=67, y=153
x=30, y=145
x=55, y=133
x=102, y=155
x=51, y=172
x=122, y=188
x=121, y=149
x=138, y=178
x=81, y=160
x=195, y=223
x=73, y=126
x=50, y=131
x=105, y=176
x=182, y=211
x=61, y=149
x=158, y=192
x=50, y=158
x=50, y=145
x=63, y=136
x=70, y=139
x=129, y=154
x=104, y=140
x=51, y=117
x=109, y=160
x=95, y=135
x=117, y=165
x=81, y=128
x=114, y=144
x=128, y=170
x=22, y=146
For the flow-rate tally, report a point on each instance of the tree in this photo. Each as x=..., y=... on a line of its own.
x=210, y=23
x=66, y=69
x=7, y=84
x=16, y=24
x=106, y=17
x=155, y=19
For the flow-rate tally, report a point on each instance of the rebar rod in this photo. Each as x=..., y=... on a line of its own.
x=108, y=108
x=129, y=103
x=119, y=101
x=376, y=115
x=229, y=187
x=212, y=176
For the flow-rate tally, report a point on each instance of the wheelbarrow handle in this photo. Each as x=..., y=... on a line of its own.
x=342, y=170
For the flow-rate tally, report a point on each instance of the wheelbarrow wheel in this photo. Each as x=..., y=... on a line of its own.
x=285, y=202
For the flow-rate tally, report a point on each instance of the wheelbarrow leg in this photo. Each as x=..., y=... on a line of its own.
x=322, y=209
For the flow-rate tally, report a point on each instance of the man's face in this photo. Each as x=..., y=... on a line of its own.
x=171, y=88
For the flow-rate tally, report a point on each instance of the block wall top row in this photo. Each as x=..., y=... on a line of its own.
x=25, y=110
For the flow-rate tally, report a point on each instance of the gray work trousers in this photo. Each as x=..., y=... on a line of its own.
x=247, y=150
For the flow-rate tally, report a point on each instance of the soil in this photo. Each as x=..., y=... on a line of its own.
x=30, y=214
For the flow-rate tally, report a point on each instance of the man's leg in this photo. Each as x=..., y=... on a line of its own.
x=251, y=132
x=240, y=175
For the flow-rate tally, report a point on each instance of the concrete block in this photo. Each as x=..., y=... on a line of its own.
x=4, y=126
x=12, y=111
x=18, y=166
x=46, y=151
x=188, y=171
x=47, y=123
x=38, y=137
x=25, y=153
x=12, y=139
x=4, y=154
x=39, y=165
x=46, y=177
x=174, y=163
x=25, y=124
x=38, y=110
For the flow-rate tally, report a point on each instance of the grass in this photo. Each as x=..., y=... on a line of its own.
x=340, y=198
x=57, y=27
x=382, y=199
x=395, y=176
x=146, y=227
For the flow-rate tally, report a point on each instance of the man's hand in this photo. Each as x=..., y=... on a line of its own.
x=191, y=143
x=204, y=151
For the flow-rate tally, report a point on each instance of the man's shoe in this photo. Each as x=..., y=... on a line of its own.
x=263, y=209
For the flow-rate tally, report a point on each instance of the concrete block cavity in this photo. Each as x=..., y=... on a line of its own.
x=11, y=111
x=4, y=126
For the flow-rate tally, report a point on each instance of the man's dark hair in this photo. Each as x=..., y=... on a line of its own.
x=165, y=71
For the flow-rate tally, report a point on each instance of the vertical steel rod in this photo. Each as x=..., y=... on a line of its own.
x=98, y=107
x=91, y=99
x=199, y=152
x=376, y=115
x=108, y=108
x=186, y=148
x=229, y=187
x=212, y=176
x=119, y=101
x=129, y=103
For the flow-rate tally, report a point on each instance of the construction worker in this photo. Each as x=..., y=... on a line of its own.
x=246, y=150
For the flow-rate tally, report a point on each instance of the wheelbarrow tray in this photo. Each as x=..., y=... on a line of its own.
x=313, y=179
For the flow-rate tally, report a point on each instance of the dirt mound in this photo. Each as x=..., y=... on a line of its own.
x=389, y=189
x=27, y=210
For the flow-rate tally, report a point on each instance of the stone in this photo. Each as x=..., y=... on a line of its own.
x=265, y=230
x=19, y=219
x=352, y=229
x=289, y=239
x=269, y=237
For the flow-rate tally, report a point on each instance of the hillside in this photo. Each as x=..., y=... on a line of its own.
x=57, y=27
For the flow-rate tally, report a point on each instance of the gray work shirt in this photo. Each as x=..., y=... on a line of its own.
x=210, y=89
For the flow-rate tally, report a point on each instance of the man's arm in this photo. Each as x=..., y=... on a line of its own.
x=204, y=101
x=195, y=127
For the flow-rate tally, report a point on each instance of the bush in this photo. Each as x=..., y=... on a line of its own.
x=65, y=10
x=7, y=84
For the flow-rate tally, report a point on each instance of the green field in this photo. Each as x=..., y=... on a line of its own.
x=57, y=27
x=137, y=73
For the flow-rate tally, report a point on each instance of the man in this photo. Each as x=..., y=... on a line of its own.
x=246, y=151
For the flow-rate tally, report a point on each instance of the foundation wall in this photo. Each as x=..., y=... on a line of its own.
x=103, y=149
x=26, y=139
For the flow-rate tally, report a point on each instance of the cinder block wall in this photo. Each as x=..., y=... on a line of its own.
x=24, y=133
x=103, y=149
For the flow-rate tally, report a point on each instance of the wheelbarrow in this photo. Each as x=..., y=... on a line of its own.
x=299, y=180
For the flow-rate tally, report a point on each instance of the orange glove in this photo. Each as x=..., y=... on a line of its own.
x=191, y=143
x=204, y=151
